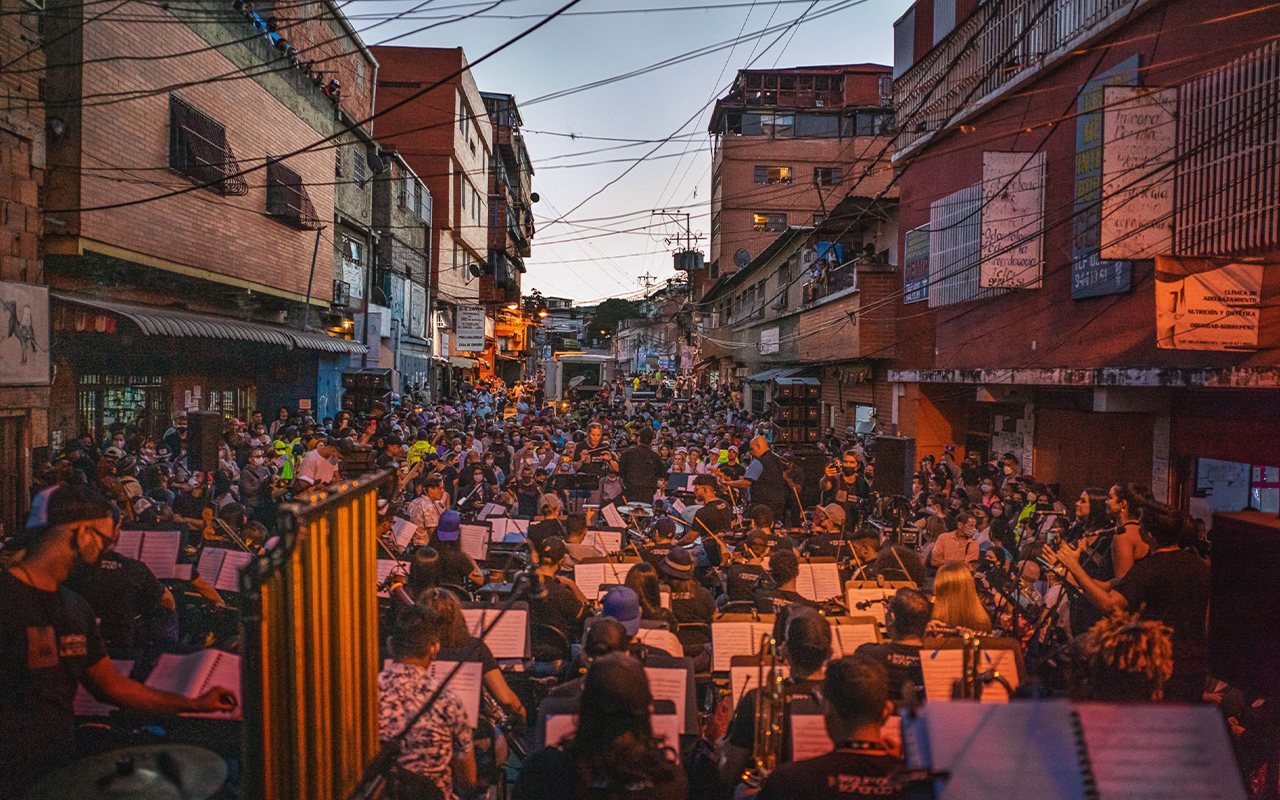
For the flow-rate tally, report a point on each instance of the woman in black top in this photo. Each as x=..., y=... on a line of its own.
x=457, y=644
x=614, y=753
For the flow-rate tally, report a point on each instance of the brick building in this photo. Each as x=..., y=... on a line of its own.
x=790, y=144
x=181, y=241
x=446, y=136
x=1079, y=196
x=401, y=220
x=24, y=353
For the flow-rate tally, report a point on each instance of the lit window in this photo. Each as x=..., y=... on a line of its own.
x=766, y=174
x=775, y=223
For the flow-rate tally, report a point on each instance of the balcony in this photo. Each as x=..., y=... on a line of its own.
x=1022, y=37
x=828, y=282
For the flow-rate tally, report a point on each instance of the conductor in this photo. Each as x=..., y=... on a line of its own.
x=765, y=477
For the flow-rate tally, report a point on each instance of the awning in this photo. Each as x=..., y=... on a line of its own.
x=703, y=364
x=798, y=382
x=161, y=321
x=773, y=374
x=462, y=363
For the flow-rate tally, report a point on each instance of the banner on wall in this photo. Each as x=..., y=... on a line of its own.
x=915, y=265
x=1202, y=304
x=1140, y=139
x=1012, y=220
x=24, y=334
x=469, y=329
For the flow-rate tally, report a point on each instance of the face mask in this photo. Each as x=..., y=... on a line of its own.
x=850, y=471
x=986, y=487
x=256, y=460
x=333, y=460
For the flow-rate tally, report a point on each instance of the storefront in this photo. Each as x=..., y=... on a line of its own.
x=124, y=366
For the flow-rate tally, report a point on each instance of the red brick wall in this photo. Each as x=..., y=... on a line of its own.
x=871, y=389
x=1115, y=330
x=311, y=29
x=225, y=235
x=22, y=163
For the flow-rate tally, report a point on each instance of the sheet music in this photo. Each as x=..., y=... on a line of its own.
x=875, y=609
x=809, y=737
x=743, y=679
x=942, y=668
x=1024, y=749
x=667, y=728
x=612, y=517
x=474, y=540
x=848, y=637
x=86, y=705
x=667, y=683
x=509, y=639
x=491, y=510
x=159, y=551
x=182, y=572
x=677, y=505
x=666, y=641
x=678, y=482
x=402, y=531
x=1156, y=752
x=818, y=582
x=385, y=567
x=129, y=544
x=664, y=598
x=221, y=567
x=560, y=727
x=590, y=577
x=729, y=639
x=193, y=675
x=501, y=526
x=604, y=541
x=466, y=685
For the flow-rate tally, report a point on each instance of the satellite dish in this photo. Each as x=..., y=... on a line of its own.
x=376, y=164
x=476, y=270
x=742, y=258
x=533, y=197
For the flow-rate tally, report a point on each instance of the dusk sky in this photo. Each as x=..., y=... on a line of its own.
x=586, y=257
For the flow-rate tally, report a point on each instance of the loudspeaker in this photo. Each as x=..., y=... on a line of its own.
x=1244, y=642
x=895, y=460
x=204, y=434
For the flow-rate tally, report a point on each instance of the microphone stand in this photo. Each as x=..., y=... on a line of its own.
x=375, y=774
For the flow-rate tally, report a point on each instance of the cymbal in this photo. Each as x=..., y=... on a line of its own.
x=639, y=509
x=149, y=772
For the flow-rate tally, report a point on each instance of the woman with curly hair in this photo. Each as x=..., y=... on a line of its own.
x=1124, y=659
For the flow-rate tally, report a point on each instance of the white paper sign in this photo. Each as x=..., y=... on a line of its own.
x=1012, y=220
x=1213, y=310
x=469, y=330
x=1140, y=131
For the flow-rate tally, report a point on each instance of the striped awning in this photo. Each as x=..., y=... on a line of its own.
x=161, y=321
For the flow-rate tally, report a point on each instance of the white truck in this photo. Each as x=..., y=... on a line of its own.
x=581, y=373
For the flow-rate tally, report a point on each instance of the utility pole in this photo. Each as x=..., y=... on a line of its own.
x=646, y=280
x=686, y=257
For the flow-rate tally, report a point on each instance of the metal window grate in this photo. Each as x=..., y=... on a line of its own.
x=358, y=172
x=955, y=245
x=1229, y=191
x=287, y=198
x=198, y=149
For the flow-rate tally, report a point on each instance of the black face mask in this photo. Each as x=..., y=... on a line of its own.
x=850, y=471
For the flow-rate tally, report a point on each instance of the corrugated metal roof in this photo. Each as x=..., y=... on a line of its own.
x=773, y=374
x=158, y=321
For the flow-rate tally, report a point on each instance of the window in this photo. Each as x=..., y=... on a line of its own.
x=198, y=148
x=765, y=174
x=824, y=126
x=715, y=226
x=287, y=198
x=358, y=168
x=828, y=176
x=775, y=223
x=353, y=265
x=715, y=181
x=869, y=123
x=464, y=117
x=337, y=164
x=419, y=210
x=403, y=189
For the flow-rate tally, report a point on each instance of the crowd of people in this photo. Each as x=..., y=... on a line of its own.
x=1104, y=596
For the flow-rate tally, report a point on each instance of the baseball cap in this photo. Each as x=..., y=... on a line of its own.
x=551, y=550
x=666, y=527
x=548, y=500
x=450, y=526
x=678, y=564
x=623, y=604
x=834, y=512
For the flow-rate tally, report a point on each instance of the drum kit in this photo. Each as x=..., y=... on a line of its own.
x=148, y=772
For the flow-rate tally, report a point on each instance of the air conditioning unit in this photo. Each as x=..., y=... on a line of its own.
x=341, y=294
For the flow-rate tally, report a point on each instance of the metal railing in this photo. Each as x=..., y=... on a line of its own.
x=1009, y=38
x=830, y=281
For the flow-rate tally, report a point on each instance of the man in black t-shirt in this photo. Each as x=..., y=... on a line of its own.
x=50, y=642
x=690, y=600
x=556, y=601
x=855, y=704
x=906, y=618
x=742, y=579
x=894, y=561
x=806, y=646
x=640, y=468
x=1170, y=585
x=664, y=531
x=781, y=593
x=714, y=517
x=123, y=593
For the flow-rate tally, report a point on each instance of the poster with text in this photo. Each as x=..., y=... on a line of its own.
x=469, y=329
x=1214, y=309
x=1012, y=220
x=915, y=265
x=24, y=334
x=1140, y=131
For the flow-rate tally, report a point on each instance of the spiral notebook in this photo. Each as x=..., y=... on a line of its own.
x=1054, y=750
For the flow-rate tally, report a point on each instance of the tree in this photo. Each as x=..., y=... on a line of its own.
x=534, y=302
x=610, y=313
